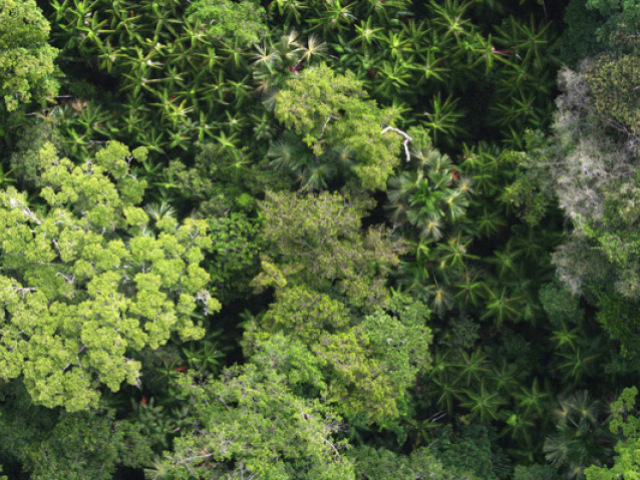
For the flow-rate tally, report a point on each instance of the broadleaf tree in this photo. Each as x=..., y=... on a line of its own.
x=26, y=59
x=85, y=283
x=341, y=126
x=334, y=327
x=248, y=424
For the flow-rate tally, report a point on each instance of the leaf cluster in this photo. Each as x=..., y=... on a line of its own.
x=84, y=279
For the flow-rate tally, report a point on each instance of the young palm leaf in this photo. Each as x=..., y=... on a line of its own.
x=443, y=119
x=483, y=405
x=503, y=307
x=472, y=367
x=532, y=400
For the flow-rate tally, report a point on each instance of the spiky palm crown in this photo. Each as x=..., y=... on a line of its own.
x=581, y=434
x=427, y=195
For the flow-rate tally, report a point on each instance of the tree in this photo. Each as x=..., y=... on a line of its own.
x=380, y=464
x=52, y=444
x=595, y=184
x=341, y=126
x=612, y=80
x=180, y=68
x=468, y=448
x=618, y=16
x=626, y=425
x=535, y=472
x=344, y=336
x=317, y=240
x=325, y=334
x=590, y=166
x=26, y=59
x=223, y=18
x=579, y=39
x=359, y=366
x=429, y=194
x=580, y=439
x=248, y=424
x=85, y=283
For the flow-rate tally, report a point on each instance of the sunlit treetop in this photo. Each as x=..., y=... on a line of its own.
x=26, y=59
x=341, y=126
x=250, y=425
x=225, y=20
x=85, y=283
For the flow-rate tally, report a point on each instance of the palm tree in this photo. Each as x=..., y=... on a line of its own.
x=530, y=41
x=453, y=255
x=315, y=48
x=519, y=428
x=483, y=405
x=334, y=16
x=471, y=289
x=392, y=77
x=429, y=197
x=291, y=10
x=431, y=66
x=504, y=377
x=576, y=363
x=532, y=400
x=472, y=367
x=444, y=118
x=449, y=15
x=505, y=263
x=581, y=437
x=502, y=306
x=366, y=34
x=441, y=382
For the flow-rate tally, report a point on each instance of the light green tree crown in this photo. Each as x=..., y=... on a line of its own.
x=340, y=124
x=26, y=59
x=85, y=283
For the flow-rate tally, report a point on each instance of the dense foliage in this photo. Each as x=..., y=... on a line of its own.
x=302, y=239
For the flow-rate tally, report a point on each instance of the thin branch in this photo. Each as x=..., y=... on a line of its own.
x=221, y=400
x=407, y=139
x=70, y=279
x=25, y=290
x=329, y=118
x=332, y=446
x=14, y=203
x=185, y=460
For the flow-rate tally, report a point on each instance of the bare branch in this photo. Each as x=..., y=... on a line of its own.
x=329, y=118
x=407, y=139
x=25, y=290
x=70, y=279
x=14, y=203
x=195, y=457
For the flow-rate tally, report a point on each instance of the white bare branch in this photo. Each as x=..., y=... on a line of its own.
x=407, y=139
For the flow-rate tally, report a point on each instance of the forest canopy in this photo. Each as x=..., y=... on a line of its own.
x=300, y=239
